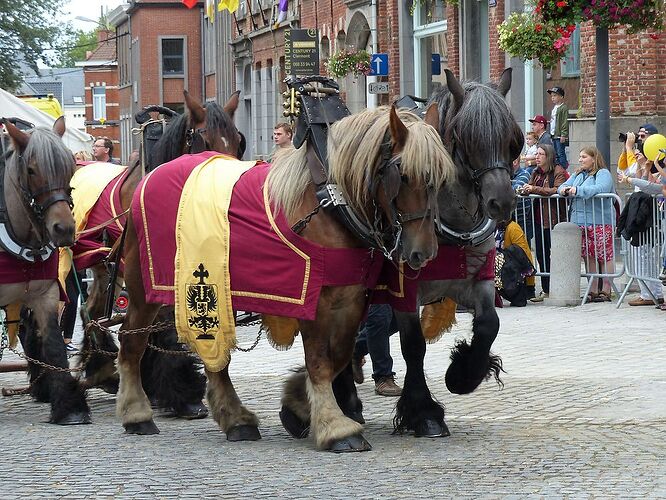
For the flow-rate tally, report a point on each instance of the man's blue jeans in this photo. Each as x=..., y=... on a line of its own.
x=560, y=153
x=373, y=339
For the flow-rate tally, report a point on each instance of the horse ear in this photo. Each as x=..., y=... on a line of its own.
x=398, y=129
x=504, y=84
x=231, y=105
x=197, y=111
x=59, y=126
x=19, y=137
x=455, y=88
x=432, y=116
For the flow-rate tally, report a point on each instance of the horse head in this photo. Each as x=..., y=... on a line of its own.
x=40, y=167
x=207, y=127
x=406, y=164
x=478, y=129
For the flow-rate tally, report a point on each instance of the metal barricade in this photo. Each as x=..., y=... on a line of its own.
x=645, y=253
x=537, y=215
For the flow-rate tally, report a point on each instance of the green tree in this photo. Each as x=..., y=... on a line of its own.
x=75, y=45
x=27, y=29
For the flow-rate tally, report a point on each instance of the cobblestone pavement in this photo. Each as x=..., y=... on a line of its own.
x=582, y=415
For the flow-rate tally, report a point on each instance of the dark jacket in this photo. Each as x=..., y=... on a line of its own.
x=546, y=185
x=545, y=139
x=636, y=219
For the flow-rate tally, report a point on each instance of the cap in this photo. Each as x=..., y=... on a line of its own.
x=539, y=119
x=556, y=90
x=649, y=128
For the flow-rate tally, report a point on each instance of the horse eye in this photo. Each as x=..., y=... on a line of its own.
x=404, y=179
x=31, y=171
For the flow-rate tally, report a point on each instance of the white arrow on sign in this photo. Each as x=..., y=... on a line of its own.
x=378, y=64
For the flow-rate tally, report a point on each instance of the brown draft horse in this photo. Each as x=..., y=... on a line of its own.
x=173, y=382
x=408, y=185
x=37, y=220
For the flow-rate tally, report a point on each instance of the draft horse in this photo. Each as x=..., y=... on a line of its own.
x=173, y=382
x=36, y=218
x=478, y=130
x=379, y=188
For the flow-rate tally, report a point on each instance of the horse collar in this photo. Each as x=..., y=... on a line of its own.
x=8, y=240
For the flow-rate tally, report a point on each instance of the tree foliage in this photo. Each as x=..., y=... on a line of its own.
x=75, y=45
x=27, y=28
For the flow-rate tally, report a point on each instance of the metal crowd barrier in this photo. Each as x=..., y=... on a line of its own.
x=644, y=254
x=610, y=268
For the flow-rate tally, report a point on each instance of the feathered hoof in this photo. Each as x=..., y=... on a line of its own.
x=192, y=411
x=78, y=418
x=141, y=428
x=294, y=425
x=352, y=443
x=430, y=428
x=243, y=433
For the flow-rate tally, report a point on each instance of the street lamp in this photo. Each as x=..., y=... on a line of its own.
x=88, y=20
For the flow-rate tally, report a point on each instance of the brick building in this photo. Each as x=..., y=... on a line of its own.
x=100, y=73
x=159, y=45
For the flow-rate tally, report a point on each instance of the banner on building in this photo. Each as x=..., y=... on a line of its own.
x=301, y=52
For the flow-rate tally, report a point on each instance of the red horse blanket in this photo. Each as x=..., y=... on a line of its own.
x=13, y=270
x=272, y=269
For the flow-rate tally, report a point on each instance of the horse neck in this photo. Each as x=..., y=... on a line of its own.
x=17, y=213
x=459, y=203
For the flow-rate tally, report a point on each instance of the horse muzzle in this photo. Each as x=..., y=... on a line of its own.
x=62, y=234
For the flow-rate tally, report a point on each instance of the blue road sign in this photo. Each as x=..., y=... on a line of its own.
x=436, y=64
x=379, y=65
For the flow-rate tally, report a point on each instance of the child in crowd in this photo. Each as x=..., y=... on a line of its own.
x=529, y=157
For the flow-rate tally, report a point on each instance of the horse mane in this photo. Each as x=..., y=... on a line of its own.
x=354, y=144
x=484, y=115
x=46, y=150
x=170, y=145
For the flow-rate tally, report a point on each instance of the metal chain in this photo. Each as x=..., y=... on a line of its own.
x=4, y=341
x=256, y=342
x=157, y=327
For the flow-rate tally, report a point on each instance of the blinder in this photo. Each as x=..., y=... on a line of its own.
x=194, y=141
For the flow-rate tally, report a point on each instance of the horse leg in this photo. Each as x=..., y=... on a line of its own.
x=100, y=369
x=67, y=397
x=239, y=423
x=416, y=410
x=172, y=381
x=132, y=404
x=473, y=363
x=295, y=412
x=32, y=347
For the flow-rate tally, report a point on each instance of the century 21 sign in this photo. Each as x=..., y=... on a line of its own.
x=301, y=52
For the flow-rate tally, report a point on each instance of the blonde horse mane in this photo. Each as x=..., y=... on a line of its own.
x=354, y=144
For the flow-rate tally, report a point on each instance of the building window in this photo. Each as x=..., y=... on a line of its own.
x=571, y=63
x=430, y=46
x=173, y=56
x=99, y=103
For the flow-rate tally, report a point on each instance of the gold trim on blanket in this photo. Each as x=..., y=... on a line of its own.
x=401, y=283
x=306, y=278
x=96, y=250
x=151, y=269
x=113, y=205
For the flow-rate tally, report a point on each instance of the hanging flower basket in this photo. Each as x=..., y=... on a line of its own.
x=636, y=15
x=525, y=36
x=344, y=62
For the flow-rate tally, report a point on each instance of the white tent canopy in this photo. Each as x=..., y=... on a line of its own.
x=11, y=106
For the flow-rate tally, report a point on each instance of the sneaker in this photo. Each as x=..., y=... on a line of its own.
x=662, y=274
x=357, y=369
x=539, y=298
x=69, y=347
x=386, y=386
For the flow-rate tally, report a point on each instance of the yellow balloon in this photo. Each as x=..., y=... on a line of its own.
x=652, y=145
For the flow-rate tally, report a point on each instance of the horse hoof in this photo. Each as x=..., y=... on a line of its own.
x=294, y=425
x=356, y=416
x=192, y=411
x=352, y=443
x=431, y=429
x=79, y=418
x=141, y=428
x=243, y=433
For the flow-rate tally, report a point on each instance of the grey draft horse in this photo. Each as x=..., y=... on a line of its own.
x=37, y=218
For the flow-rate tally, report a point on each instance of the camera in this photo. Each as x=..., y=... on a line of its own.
x=623, y=137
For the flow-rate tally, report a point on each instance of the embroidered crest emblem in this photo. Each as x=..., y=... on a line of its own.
x=202, y=305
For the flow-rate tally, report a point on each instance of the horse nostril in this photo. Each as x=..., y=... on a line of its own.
x=58, y=229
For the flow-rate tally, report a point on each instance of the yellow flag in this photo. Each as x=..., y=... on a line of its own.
x=230, y=5
x=210, y=10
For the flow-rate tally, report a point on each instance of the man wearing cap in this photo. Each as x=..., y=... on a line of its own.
x=646, y=131
x=539, y=123
x=559, y=125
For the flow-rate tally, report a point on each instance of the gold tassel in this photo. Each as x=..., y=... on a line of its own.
x=280, y=331
x=437, y=319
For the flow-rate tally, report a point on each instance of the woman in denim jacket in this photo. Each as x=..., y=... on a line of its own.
x=594, y=215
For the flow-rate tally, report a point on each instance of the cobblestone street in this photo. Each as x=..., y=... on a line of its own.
x=582, y=414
